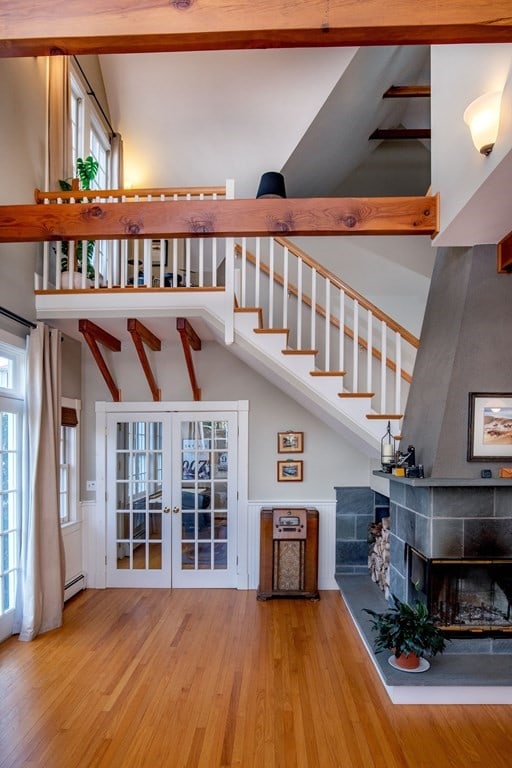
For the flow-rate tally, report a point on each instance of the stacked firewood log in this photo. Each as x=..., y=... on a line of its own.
x=378, y=555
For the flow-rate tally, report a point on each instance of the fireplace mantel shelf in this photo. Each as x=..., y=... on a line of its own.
x=440, y=482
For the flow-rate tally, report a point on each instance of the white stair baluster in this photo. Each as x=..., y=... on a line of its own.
x=383, y=349
x=271, y=284
x=355, y=349
x=258, y=272
x=285, y=287
x=244, y=273
x=369, y=339
x=327, y=358
x=398, y=372
x=299, y=304
x=341, y=339
x=313, y=309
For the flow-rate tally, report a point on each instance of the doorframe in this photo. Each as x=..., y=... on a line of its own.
x=96, y=567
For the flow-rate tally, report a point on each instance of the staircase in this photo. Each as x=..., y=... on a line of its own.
x=321, y=342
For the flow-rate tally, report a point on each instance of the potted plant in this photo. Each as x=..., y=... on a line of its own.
x=86, y=172
x=408, y=631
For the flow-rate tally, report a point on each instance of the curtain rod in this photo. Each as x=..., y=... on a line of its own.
x=91, y=92
x=17, y=318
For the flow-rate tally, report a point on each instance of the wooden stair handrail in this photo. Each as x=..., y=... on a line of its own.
x=350, y=292
x=155, y=192
x=321, y=311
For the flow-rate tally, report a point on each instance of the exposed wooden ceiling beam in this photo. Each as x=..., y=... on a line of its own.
x=140, y=336
x=95, y=335
x=91, y=26
x=190, y=340
x=407, y=92
x=220, y=218
x=387, y=134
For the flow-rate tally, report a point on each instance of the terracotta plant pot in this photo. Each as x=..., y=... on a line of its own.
x=412, y=661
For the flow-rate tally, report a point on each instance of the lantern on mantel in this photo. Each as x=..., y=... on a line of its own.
x=387, y=450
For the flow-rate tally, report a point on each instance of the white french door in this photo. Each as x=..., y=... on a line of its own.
x=171, y=499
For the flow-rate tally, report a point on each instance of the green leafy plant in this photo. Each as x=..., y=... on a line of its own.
x=406, y=629
x=87, y=171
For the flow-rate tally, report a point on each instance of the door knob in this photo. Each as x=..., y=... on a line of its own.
x=167, y=510
x=175, y=510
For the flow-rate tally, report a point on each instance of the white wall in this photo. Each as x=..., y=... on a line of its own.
x=22, y=141
x=474, y=190
x=392, y=272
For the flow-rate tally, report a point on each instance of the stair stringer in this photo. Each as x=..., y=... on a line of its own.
x=319, y=395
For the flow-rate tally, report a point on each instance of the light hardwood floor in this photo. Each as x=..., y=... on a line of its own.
x=193, y=678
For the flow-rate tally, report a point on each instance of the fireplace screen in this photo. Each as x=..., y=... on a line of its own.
x=470, y=595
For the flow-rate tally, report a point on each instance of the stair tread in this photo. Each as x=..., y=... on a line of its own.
x=327, y=373
x=271, y=330
x=389, y=416
x=356, y=394
x=299, y=351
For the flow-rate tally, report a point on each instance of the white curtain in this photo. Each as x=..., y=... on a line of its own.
x=59, y=121
x=41, y=583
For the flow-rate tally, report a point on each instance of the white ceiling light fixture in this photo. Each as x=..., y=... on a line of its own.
x=483, y=118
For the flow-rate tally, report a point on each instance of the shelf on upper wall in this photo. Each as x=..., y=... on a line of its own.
x=505, y=255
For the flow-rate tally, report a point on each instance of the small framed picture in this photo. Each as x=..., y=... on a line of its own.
x=290, y=442
x=490, y=426
x=289, y=471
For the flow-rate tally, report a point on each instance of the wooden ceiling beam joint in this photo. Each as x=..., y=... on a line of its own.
x=140, y=336
x=190, y=340
x=93, y=336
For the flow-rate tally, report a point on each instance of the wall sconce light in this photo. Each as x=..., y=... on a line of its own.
x=483, y=118
x=271, y=185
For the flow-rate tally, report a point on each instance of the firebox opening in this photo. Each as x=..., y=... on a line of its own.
x=464, y=596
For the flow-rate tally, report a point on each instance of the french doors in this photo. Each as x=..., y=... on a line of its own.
x=171, y=486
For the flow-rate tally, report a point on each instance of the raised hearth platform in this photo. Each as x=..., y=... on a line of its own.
x=456, y=676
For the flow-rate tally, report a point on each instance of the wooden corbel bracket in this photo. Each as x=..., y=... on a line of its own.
x=95, y=335
x=190, y=340
x=140, y=336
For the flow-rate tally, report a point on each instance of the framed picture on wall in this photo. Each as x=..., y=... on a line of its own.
x=290, y=442
x=490, y=426
x=289, y=471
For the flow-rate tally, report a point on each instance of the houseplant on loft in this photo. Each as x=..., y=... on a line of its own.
x=409, y=632
x=87, y=171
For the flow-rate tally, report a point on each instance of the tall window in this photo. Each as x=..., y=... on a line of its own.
x=69, y=441
x=12, y=365
x=90, y=137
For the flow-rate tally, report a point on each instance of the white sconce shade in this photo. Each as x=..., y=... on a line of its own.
x=483, y=118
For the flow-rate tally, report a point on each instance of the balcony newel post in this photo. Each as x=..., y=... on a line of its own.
x=229, y=307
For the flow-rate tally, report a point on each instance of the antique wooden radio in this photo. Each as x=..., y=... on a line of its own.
x=288, y=553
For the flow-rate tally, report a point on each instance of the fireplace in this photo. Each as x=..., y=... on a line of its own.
x=465, y=596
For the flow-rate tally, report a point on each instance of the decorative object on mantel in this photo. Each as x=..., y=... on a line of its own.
x=289, y=470
x=408, y=631
x=506, y=472
x=387, y=450
x=489, y=426
x=290, y=442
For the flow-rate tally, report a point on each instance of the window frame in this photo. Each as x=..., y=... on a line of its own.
x=71, y=469
x=12, y=401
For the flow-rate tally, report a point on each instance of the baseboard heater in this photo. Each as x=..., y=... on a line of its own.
x=74, y=586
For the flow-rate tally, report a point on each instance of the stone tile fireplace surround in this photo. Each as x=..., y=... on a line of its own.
x=455, y=519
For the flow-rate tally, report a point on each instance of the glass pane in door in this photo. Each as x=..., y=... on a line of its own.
x=204, y=476
x=139, y=495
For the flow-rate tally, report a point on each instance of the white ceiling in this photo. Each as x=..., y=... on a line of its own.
x=194, y=119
